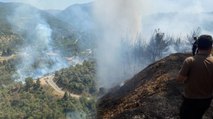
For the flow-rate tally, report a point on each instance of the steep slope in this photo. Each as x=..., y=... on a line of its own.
x=151, y=94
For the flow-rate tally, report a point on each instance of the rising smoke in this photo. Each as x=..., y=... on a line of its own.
x=76, y=115
x=119, y=26
x=178, y=18
x=37, y=54
x=117, y=21
x=132, y=20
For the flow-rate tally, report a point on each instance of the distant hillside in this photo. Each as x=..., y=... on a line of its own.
x=13, y=16
x=53, y=12
x=9, y=9
x=80, y=17
x=5, y=10
x=151, y=94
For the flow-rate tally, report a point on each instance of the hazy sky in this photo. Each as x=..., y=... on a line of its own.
x=181, y=5
x=157, y=5
x=49, y=4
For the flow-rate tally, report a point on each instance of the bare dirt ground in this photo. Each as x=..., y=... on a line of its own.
x=48, y=81
x=153, y=93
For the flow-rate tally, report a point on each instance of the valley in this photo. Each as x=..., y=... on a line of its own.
x=103, y=60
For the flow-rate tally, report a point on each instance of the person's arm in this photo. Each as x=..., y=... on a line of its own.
x=184, y=71
x=181, y=78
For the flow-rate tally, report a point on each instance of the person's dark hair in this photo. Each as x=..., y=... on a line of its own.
x=195, y=38
x=205, y=42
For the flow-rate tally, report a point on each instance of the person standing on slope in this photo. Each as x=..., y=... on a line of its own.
x=195, y=46
x=197, y=75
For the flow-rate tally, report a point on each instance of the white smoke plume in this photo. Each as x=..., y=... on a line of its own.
x=76, y=115
x=125, y=20
x=117, y=21
x=177, y=18
x=37, y=55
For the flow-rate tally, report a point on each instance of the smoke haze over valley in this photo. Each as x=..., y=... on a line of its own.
x=105, y=27
x=92, y=44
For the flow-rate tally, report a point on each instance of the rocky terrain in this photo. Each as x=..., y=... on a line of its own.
x=151, y=94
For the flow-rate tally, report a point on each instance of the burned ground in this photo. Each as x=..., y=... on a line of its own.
x=151, y=94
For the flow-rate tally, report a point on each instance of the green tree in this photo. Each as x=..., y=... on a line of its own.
x=66, y=96
x=29, y=83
